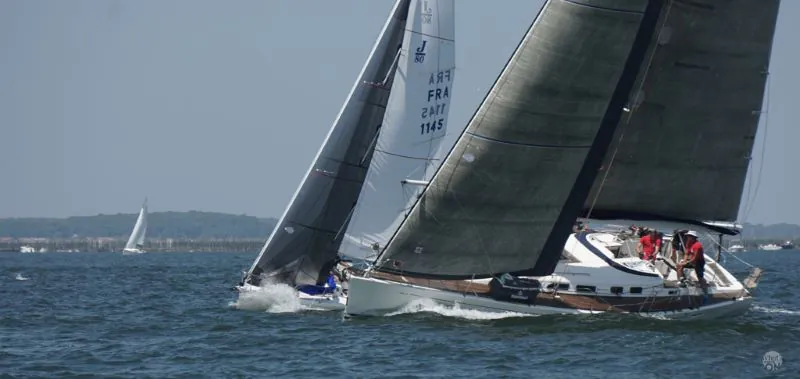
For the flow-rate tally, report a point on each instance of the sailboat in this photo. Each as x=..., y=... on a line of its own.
x=391, y=125
x=135, y=244
x=598, y=116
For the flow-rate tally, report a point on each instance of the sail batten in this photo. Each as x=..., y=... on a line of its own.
x=499, y=201
x=306, y=237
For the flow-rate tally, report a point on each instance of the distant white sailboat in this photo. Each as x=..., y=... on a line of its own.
x=135, y=242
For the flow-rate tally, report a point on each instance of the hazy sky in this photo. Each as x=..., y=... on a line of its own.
x=222, y=105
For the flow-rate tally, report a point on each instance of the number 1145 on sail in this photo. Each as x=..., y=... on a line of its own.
x=431, y=126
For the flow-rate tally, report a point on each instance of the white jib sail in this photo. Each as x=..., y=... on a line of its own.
x=408, y=148
x=136, y=240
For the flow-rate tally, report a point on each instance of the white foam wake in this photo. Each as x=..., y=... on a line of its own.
x=455, y=311
x=272, y=298
x=776, y=310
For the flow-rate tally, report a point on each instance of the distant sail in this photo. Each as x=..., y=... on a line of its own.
x=511, y=188
x=136, y=239
x=308, y=234
x=408, y=149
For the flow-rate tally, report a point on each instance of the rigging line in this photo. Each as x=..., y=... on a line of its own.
x=630, y=111
x=731, y=254
x=763, y=151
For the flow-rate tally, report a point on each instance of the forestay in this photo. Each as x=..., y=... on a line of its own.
x=684, y=152
x=309, y=232
x=136, y=239
x=408, y=148
x=518, y=176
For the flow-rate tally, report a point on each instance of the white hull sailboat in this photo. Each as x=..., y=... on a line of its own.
x=599, y=272
x=333, y=299
x=135, y=244
x=327, y=302
x=565, y=134
x=407, y=80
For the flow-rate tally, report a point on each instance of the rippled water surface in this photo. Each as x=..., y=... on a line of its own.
x=173, y=315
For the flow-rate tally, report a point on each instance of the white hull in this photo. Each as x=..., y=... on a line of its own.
x=593, y=267
x=327, y=302
x=376, y=297
x=132, y=251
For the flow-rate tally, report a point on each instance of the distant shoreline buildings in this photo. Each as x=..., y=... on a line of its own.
x=107, y=244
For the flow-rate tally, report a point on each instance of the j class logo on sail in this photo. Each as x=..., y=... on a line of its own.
x=419, y=56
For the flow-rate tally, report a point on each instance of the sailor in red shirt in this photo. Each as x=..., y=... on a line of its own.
x=694, y=258
x=648, y=246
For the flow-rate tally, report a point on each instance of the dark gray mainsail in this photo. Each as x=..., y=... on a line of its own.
x=519, y=174
x=309, y=232
x=684, y=153
x=681, y=154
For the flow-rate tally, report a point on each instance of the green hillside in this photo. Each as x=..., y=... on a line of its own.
x=204, y=225
x=190, y=224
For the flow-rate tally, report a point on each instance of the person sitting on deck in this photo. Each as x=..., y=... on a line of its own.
x=648, y=246
x=694, y=258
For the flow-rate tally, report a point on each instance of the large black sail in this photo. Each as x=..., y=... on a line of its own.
x=684, y=153
x=308, y=234
x=509, y=191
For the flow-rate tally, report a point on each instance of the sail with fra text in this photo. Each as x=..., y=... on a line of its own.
x=409, y=145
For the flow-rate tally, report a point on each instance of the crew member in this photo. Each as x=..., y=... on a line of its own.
x=648, y=245
x=694, y=258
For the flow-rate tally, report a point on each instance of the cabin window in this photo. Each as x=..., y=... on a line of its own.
x=616, y=290
x=585, y=289
x=636, y=289
x=561, y=286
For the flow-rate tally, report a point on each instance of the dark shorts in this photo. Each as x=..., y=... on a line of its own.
x=699, y=269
